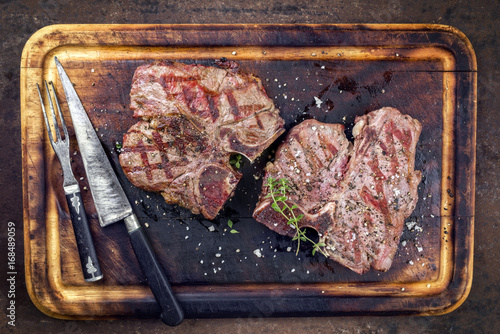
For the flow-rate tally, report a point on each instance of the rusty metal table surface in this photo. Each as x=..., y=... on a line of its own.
x=478, y=19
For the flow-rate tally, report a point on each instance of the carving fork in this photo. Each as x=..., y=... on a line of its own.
x=88, y=257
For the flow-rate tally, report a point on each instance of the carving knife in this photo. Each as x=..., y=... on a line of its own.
x=112, y=205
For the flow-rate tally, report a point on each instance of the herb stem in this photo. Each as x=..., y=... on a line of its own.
x=292, y=220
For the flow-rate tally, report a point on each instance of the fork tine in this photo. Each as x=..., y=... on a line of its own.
x=45, y=114
x=53, y=112
x=63, y=124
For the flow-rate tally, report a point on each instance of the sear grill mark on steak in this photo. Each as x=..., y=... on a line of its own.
x=356, y=196
x=193, y=118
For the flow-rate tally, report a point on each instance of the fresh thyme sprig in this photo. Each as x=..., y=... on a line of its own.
x=278, y=190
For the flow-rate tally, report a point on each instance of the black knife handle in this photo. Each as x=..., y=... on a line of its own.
x=171, y=311
x=88, y=257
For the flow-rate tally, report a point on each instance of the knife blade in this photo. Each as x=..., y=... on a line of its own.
x=112, y=204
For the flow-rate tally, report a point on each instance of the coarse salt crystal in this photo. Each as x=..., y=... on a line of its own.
x=257, y=252
x=318, y=101
x=411, y=224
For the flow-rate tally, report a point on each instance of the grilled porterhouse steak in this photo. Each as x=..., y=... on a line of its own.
x=355, y=196
x=193, y=118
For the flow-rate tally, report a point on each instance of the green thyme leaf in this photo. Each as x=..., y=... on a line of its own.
x=230, y=225
x=275, y=206
x=236, y=161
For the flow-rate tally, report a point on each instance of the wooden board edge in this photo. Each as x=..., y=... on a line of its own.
x=457, y=40
x=34, y=292
x=451, y=308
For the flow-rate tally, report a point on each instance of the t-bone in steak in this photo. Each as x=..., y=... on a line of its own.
x=193, y=118
x=355, y=196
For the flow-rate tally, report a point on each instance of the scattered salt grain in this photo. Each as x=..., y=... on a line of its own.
x=318, y=101
x=411, y=224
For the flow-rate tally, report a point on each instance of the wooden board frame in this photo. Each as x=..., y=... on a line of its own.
x=52, y=294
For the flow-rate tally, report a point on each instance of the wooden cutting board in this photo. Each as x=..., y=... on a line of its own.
x=426, y=71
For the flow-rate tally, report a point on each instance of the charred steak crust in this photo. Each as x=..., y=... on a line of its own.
x=193, y=118
x=355, y=196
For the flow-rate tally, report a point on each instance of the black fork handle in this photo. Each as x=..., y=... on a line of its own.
x=88, y=256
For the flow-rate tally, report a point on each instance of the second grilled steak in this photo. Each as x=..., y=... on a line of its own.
x=356, y=198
